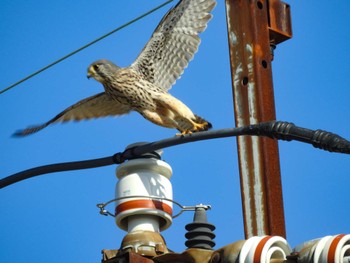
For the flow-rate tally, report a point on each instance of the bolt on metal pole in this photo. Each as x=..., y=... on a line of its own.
x=253, y=27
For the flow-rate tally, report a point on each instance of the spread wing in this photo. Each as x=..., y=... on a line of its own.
x=174, y=42
x=97, y=106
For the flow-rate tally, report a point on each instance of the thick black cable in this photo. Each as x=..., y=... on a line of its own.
x=274, y=129
x=58, y=167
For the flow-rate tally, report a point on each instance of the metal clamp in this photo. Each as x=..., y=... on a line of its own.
x=183, y=208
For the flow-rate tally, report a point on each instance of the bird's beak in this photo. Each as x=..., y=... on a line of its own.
x=90, y=73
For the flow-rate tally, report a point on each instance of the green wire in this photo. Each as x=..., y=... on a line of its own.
x=85, y=46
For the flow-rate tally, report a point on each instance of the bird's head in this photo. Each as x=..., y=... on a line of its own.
x=101, y=70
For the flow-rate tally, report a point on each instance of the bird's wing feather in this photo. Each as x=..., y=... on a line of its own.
x=97, y=106
x=174, y=42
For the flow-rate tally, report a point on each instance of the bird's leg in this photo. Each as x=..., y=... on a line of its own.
x=159, y=119
x=177, y=112
x=184, y=133
x=196, y=128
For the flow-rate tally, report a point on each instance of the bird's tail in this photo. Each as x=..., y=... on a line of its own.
x=206, y=125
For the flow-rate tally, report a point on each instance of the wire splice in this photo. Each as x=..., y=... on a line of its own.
x=319, y=139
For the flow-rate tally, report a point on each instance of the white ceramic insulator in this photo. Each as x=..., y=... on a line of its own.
x=143, y=223
x=263, y=249
x=328, y=249
x=336, y=249
x=149, y=178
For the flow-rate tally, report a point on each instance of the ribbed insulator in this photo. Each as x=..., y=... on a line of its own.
x=200, y=232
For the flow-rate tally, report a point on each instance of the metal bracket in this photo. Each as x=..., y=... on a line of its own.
x=279, y=21
x=183, y=208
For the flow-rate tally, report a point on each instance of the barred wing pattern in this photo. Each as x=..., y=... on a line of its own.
x=97, y=106
x=174, y=42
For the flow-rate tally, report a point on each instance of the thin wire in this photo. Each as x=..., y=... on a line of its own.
x=85, y=46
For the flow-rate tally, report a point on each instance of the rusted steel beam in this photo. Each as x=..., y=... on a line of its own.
x=279, y=19
x=249, y=35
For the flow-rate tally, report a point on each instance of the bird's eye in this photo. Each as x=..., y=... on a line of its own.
x=95, y=67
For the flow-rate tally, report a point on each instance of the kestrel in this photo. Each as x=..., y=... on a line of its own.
x=143, y=86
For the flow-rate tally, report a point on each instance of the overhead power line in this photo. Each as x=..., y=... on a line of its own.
x=84, y=47
x=274, y=129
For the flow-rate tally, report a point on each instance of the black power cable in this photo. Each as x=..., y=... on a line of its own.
x=274, y=129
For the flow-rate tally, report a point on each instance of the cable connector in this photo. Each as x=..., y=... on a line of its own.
x=288, y=131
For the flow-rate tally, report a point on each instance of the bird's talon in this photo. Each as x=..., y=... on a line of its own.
x=183, y=133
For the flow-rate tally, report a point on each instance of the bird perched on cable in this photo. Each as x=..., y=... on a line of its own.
x=143, y=86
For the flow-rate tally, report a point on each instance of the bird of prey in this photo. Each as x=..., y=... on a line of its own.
x=143, y=86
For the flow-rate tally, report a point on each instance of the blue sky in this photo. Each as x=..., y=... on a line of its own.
x=54, y=217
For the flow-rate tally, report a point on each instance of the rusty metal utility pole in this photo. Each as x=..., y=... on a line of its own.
x=254, y=28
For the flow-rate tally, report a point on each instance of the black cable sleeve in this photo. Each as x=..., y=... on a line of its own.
x=318, y=138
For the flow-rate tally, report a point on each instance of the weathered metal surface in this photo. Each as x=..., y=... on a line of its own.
x=249, y=43
x=280, y=25
x=234, y=252
x=192, y=255
x=147, y=244
x=128, y=257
